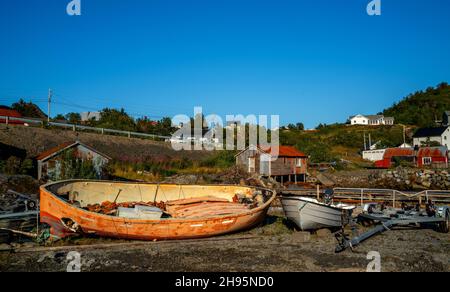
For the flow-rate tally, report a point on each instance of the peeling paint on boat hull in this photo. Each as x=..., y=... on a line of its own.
x=54, y=209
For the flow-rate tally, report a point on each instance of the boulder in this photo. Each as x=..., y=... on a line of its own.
x=426, y=184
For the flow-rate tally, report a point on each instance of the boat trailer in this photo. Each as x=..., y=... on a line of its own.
x=433, y=216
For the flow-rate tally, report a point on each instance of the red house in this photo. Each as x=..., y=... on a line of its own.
x=436, y=157
x=433, y=157
x=7, y=112
x=395, y=154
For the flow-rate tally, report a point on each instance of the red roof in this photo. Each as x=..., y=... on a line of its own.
x=398, y=152
x=10, y=113
x=432, y=152
x=54, y=150
x=51, y=152
x=285, y=151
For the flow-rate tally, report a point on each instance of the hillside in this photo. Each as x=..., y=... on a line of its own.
x=344, y=142
x=336, y=142
x=423, y=107
x=36, y=140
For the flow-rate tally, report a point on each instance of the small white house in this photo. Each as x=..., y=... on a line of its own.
x=371, y=120
x=440, y=135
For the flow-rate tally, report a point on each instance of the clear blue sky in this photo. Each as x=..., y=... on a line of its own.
x=315, y=61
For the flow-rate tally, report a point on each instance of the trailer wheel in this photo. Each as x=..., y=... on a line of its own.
x=444, y=226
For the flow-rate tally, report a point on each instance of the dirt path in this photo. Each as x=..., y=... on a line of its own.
x=272, y=248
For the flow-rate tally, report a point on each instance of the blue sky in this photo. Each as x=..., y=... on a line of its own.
x=316, y=61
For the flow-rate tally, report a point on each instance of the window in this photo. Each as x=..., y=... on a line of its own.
x=426, y=161
x=298, y=162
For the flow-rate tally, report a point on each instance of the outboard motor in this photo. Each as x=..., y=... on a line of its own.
x=431, y=208
x=328, y=196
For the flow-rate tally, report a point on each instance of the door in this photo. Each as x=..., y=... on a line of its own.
x=252, y=164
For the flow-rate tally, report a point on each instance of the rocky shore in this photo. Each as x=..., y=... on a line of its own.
x=403, y=179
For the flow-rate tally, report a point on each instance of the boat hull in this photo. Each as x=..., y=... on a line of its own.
x=310, y=216
x=54, y=211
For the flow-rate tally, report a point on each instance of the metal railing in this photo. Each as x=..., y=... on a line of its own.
x=9, y=120
x=364, y=195
x=367, y=195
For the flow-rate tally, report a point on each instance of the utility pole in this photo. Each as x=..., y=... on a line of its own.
x=365, y=145
x=50, y=94
x=404, y=134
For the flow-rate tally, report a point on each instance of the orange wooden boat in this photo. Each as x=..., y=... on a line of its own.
x=65, y=218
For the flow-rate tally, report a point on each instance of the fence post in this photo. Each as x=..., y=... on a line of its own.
x=318, y=193
x=7, y=121
x=393, y=198
x=129, y=134
x=103, y=131
x=362, y=197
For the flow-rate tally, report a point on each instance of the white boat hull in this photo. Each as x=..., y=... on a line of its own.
x=311, y=215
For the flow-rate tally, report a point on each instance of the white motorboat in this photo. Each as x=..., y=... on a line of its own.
x=309, y=214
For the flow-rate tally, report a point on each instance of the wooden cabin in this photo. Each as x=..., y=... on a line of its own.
x=291, y=165
x=50, y=165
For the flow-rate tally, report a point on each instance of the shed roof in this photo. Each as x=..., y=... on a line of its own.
x=398, y=152
x=285, y=151
x=67, y=145
x=430, y=132
x=432, y=151
x=7, y=112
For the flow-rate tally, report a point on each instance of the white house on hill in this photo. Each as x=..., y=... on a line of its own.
x=440, y=135
x=371, y=120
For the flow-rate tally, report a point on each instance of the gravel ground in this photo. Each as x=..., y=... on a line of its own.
x=271, y=248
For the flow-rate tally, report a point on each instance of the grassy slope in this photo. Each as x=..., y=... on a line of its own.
x=336, y=142
x=422, y=108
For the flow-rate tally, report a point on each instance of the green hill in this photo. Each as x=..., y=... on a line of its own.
x=422, y=108
x=335, y=142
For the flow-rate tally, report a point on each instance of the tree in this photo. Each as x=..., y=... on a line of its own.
x=28, y=109
x=429, y=143
x=300, y=126
x=73, y=118
x=59, y=117
x=423, y=107
x=116, y=119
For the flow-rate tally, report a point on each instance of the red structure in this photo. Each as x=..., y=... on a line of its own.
x=7, y=112
x=393, y=154
x=436, y=157
x=432, y=156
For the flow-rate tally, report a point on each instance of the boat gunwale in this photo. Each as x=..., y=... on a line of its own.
x=160, y=221
x=293, y=198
